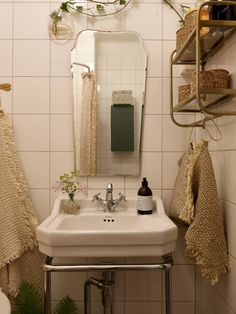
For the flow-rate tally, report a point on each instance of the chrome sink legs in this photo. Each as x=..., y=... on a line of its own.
x=106, y=283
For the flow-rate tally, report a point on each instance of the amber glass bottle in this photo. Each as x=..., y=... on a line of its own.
x=144, y=201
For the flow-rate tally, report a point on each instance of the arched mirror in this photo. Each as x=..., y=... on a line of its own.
x=109, y=72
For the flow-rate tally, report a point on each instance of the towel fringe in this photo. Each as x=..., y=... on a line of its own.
x=210, y=273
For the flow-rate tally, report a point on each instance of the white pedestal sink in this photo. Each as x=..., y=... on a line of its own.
x=95, y=233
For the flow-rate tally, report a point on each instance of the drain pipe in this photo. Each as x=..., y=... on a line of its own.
x=108, y=281
x=105, y=285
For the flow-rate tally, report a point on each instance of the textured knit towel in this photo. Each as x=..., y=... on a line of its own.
x=19, y=257
x=195, y=201
x=88, y=125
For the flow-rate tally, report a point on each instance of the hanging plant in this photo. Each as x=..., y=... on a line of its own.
x=93, y=8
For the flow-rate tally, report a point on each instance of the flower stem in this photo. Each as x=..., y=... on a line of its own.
x=171, y=5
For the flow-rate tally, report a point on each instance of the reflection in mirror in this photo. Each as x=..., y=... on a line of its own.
x=109, y=72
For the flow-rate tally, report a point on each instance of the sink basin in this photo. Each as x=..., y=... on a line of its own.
x=95, y=233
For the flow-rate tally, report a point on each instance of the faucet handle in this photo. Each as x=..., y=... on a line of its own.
x=110, y=186
x=122, y=197
x=95, y=197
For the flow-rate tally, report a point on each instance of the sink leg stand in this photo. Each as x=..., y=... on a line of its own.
x=168, y=285
x=47, y=287
x=106, y=283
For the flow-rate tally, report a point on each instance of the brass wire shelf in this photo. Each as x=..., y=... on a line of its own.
x=197, y=50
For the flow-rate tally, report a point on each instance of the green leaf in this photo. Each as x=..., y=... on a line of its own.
x=28, y=300
x=122, y=2
x=55, y=16
x=63, y=7
x=79, y=8
x=66, y=306
x=100, y=7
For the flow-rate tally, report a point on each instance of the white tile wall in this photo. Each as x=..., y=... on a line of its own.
x=41, y=102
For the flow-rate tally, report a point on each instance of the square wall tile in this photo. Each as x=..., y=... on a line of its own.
x=61, y=58
x=31, y=95
x=225, y=164
x=31, y=132
x=61, y=95
x=36, y=169
x=167, y=195
x=229, y=213
x=143, y=307
x=101, y=182
x=183, y=282
x=146, y=19
x=5, y=57
x=153, y=99
x=170, y=23
x=114, y=22
x=68, y=284
x=152, y=133
x=227, y=285
x=62, y=137
x=143, y=286
x=6, y=16
x=151, y=167
x=170, y=169
x=60, y=163
x=176, y=138
x=168, y=47
x=227, y=126
x=205, y=295
x=40, y=199
x=31, y=20
x=222, y=307
x=6, y=97
x=31, y=58
x=183, y=308
x=154, y=52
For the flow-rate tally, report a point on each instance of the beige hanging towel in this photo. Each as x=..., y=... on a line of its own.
x=195, y=201
x=19, y=256
x=88, y=126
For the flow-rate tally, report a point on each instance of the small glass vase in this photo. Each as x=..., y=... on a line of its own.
x=71, y=206
x=61, y=30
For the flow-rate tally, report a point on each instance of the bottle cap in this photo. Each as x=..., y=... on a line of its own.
x=145, y=182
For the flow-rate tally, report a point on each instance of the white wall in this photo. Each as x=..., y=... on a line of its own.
x=221, y=298
x=40, y=105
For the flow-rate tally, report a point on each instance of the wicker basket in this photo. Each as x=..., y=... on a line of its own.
x=181, y=36
x=221, y=78
x=190, y=20
x=206, y=80
x=184, y=91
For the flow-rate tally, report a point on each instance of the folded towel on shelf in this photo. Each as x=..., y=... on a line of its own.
x=195, y=201
x=122, y=97
x=20, y=259
x=122, y=127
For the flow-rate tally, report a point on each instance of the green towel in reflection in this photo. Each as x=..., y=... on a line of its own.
x=122, y=128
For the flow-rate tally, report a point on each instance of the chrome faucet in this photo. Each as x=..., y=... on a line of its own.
x=109, y=204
